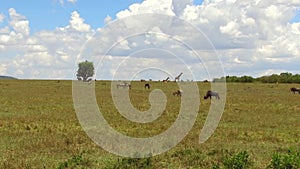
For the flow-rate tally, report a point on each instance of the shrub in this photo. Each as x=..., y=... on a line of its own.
x=237, y=161
x=132, y=163
x=75, y=161
x=289, y=160
x=216, y=166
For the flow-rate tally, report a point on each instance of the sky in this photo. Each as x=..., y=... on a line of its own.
x=133, y=39
x=47, y=15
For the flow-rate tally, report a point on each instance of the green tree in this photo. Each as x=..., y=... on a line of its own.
x=296, y=78
x=246, y=79
x=85, y=71
x=286, y=77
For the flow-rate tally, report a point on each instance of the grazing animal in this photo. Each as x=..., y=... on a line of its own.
x=209, y=94
x=178, y=93
x=147, y=85
x=124, y=85
x=294, y=90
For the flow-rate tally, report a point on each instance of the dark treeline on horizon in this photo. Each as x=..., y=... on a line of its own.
x=274, y=78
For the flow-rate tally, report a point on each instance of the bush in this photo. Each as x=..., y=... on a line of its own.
x=75, y=162
x=237, y=161
x=132, y=163
x=289, y=160
x=216, y=166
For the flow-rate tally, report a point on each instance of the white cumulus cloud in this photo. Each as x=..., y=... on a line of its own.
x=250, y=37
x=78, y=24
x=148, y=6
x=19, y=22
x=44, y=54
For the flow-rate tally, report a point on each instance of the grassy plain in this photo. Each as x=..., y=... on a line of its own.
x=39, y=128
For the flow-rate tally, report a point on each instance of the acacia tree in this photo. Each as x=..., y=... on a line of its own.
x=85, y=71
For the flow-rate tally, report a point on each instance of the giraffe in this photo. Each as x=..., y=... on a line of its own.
x=178, y=77
x=166, y=80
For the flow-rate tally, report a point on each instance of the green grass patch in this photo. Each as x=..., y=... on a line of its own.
x=39, y=127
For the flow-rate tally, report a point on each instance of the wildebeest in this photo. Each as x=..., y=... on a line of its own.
x=294, y=90
x=210, y=93
x=147, y=85
x=178, y=93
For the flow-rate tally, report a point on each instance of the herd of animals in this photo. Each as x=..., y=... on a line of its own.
x=209, y=93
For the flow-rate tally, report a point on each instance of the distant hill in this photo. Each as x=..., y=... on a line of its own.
x=7, y=77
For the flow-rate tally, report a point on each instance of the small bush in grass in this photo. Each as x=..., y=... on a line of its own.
x=75, y=162
x=289, y=160
x=237, y=161
x=132, y=163
x=216, y=166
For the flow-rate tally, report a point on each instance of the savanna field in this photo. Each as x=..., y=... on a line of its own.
x=260, y=127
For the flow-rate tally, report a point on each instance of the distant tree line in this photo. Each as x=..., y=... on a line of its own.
x=274, y=78
x=282, y=78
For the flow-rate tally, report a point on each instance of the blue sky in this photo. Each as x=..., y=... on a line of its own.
x=257, y=38
x=297, y=17
x=49, y=14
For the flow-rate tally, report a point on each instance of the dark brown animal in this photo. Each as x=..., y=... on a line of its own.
x=294, y=90
x=178, y=93
x=147, y=85
x=209, y=94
